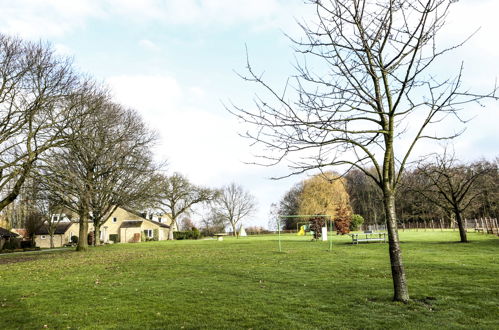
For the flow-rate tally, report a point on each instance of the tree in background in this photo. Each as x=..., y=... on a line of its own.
x=233, y=205
x=33, y=222
x=452, y=186
x=186, y=224
x=356, y=222
x=320, y=194
x=487, y=204
x=342, y=219
x=366, y=78
x=212, y=224
x=290, y=205
x=366, y=198
x=176, y=195
x=316, y=225
x=323, y=194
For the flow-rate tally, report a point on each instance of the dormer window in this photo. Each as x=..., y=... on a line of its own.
x=115, y=219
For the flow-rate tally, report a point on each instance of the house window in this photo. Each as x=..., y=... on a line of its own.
x=160, y=220
x=148, y=233
x=115, y=219
x=43, y=237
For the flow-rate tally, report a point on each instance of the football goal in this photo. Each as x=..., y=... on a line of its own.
x=321, y=225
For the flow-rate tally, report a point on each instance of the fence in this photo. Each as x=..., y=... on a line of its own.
x=484, y=225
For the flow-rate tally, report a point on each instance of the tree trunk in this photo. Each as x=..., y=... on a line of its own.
x=460, y=224
x=170, y=230
x=234, y=230
x=401, y=292
x=83, y=233
x=51, y=241
x=96, y=234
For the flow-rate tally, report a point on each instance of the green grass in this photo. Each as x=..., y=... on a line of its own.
x=246, y=283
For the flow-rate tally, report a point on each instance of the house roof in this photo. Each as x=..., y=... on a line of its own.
x=131, y=224
x=6, y=233
x=164, y=225
x=60, y=228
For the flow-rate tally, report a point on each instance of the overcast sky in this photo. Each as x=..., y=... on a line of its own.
x=174, y=61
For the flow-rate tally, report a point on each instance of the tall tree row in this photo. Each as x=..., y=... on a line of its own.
x=441, y=187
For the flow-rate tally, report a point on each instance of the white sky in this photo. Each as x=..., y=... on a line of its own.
x=174, y=62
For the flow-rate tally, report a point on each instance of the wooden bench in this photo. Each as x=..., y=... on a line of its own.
x=480, y=230
x=368, y=237
x=220, y=236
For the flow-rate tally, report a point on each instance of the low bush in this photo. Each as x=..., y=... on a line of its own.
x=12, y=244
x=356, y=221
x=27, y=244
x=187, y=234
x=114, y=238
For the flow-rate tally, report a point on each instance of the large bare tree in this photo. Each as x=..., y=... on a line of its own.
x=365, y=83
x=106, y=165
x=35, y=112
x=233, y=205
x=176, y=196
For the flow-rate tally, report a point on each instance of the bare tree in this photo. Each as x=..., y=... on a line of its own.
x=211, y=224
x=452, y=186
x=33, y=222
x=108, y=164
x=34, y=110
x=233, y=205
x=176, y=195
x=373, y=86
x=365, y=196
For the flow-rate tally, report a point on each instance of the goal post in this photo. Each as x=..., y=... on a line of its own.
x=327, y=217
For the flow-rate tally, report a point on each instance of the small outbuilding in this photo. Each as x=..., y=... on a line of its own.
x=62, y=234
x=5, y=235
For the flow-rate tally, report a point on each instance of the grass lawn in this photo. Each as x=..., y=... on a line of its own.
x=245, y=283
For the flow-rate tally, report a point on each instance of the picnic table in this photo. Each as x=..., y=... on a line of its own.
x=368, y=237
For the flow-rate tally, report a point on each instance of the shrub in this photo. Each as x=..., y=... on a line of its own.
x=12, y=244
x=187, y=234
x=179, y=235
x=27, y=244
x=114, y=238
x=156, y=234
x=342, y=220
x=356, y=221
x=316, y=225
x=196, y=234
x=74, y=239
